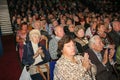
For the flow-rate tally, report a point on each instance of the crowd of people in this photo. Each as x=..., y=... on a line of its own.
x=85, y=44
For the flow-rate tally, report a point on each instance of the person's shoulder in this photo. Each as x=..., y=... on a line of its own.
x=53, y=39
x=60, y=61
x=88, y=50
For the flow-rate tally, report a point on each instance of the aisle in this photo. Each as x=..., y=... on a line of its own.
x=9, y=63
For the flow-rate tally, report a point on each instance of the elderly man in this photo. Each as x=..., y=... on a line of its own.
x=53, y=44
x=102, y=59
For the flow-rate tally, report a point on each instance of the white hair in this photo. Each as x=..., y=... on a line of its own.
x=92, y=41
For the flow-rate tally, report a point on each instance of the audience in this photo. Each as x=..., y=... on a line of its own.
x=106, y=39
x=79, y=19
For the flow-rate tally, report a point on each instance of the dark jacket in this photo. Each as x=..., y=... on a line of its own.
x=115, y=37
x=28, y=54
x=103, y=72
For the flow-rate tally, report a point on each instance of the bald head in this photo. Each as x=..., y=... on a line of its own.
x=59, y=32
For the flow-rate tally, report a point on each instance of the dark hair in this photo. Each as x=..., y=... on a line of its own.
x=65, y=39
x=24, y=23
x=99, y=25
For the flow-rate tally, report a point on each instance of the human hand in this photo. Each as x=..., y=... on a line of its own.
x=40, y=51
x=105, y=57
x=86, y=62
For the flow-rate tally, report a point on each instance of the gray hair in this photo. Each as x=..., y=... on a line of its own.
x=92, y=41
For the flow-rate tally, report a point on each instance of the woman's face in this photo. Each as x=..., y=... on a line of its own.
x=71, y=28
x=24, y=27
x=102, y=28
x=80, y=33
x=35, y=39
x=69, y=22
x=69, y=49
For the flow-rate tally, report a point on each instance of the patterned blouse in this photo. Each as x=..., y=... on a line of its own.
x=67, y=70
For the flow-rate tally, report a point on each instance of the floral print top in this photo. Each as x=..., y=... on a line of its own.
x=67, y=70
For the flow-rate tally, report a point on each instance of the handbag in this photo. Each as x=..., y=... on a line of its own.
x=25, y=75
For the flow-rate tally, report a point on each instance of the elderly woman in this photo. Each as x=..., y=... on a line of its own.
x=35, y=56
x=81, y=40
x=71, y=66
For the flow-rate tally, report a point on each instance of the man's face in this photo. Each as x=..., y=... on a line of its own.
x=116, y=26
x=98, y=45
x=60, y=32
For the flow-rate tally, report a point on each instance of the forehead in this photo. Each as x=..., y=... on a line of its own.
x=69, y=43
x=98, y=39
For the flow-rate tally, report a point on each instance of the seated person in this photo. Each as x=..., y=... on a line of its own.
x=81, y=40
x=106, y=39
x=70, y=66
x=102, y=60
x=69, y=30
x=53, y=44
x=21, y=38
x=35, y=56
x=115, y=33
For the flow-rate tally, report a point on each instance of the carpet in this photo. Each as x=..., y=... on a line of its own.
x=10, y=67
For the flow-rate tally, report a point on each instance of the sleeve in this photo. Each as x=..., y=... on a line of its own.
x=46, y=58
x=24, y=58
x=53, y=49
x=27, y=58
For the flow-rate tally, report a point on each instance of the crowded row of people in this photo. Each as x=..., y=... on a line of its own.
x=82, y=43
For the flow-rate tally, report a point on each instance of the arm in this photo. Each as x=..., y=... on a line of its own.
x=45, y=57
x=53, y=49
x=24, y=58
x=27, y=58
